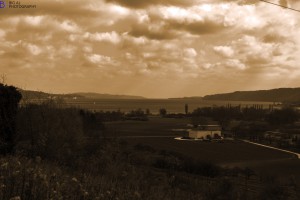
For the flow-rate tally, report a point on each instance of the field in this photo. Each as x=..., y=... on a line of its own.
x=159, y=133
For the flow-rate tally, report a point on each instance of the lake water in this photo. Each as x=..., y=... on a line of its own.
x=171, y=105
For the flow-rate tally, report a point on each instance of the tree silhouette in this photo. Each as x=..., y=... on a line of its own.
x=281, y=117
x=186, y=108
x=162, y=112
x=9, y=99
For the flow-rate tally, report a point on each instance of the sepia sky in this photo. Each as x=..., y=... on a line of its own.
x=151, y=48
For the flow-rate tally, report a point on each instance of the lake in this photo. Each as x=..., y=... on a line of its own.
x=171, y=105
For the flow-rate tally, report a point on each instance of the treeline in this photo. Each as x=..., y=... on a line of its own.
x=224, y=114
x=108, y=116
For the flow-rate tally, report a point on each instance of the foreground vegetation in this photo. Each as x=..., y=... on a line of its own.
x=52, y=152
x=117, y=172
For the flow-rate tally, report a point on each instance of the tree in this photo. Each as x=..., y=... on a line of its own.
x=9, y=100
x=148, y=111
x=162, y=112
x=186, y=108
x=282, y=117
x=198, y=120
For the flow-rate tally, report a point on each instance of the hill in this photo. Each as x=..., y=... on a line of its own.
x=273, y=95
x=105, y=96
x=29, y=94
x=186, y=98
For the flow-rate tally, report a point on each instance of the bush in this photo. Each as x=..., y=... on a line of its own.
x=222, y=190
x=92, y=124
x=109, y=116
x=173, y=161
x=143, y=147
x=162, y=112
x=201, y=168
x=138, y=115
x=273, y=191
x=49, y=131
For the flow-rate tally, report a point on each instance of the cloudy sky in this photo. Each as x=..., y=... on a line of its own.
x=152, y=48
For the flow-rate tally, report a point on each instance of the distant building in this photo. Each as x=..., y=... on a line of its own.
x=206, y=132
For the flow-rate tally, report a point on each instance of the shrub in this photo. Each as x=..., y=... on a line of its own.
x=138, y=115
x=92, y=124
x=162, y=112
x=273, y=191
x=143, y=147
x=49, y=131
x=201, y=168
x=221, y=190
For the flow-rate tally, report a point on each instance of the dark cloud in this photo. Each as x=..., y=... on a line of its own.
x=180, y=3
x=162, y=34
x=273, y=38
x=11, y=55
x=283, y=3
x=160, y=28
x=146, y=3
x=198, y=27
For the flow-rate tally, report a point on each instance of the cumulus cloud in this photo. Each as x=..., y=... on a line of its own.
x=224, y=51
x=34, y=20
x=112, y=37
x=35, y=50
x=69, y=26
x=235, y=63
x=98, y=59
x=113, y=42
x=190, y=52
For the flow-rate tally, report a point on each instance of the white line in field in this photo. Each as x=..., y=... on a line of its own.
x=270, y=147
